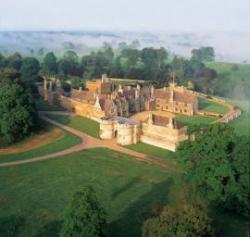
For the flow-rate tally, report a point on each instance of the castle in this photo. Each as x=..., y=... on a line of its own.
x=112, y=106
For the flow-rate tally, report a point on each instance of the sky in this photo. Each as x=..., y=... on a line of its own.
x=128, y=15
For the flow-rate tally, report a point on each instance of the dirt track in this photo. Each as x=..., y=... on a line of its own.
x=87, y=143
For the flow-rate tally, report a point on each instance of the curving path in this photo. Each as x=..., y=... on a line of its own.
x=87, y=143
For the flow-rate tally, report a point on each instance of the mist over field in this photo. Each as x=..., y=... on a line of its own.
x=230, y=47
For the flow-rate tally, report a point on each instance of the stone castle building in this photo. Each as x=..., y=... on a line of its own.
x=112, y=105
x=155, y=130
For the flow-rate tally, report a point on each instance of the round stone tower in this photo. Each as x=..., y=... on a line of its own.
x=106, y=129
x=125, y=134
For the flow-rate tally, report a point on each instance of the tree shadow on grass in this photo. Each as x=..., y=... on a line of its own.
x=131, y=222
x=130, y=184
x=12, y=226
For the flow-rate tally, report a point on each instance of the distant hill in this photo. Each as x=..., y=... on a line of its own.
x=233, y=80
x=233, y=47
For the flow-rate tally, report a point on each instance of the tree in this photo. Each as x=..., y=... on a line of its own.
x=189, y=222
x=49, y=65
x=15, y=61
x=84, y=217
x=29, y=68
x=203, y=54
x=9, y=75
x=217, y=165
x=17, y=112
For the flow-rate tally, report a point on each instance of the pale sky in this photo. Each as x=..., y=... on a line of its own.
x=151, y=15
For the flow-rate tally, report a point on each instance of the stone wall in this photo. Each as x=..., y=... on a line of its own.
x=80, y=108
x=164, y=137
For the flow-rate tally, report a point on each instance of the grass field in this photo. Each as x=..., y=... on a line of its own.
x=33, y=196
x=209, y=106
x=152, y=150
x=233, y=79
x=80, y=123
x=63, y=142
x=36, y=194
x=242, y=124
x=194, y=120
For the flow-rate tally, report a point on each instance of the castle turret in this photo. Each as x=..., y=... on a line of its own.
x=170, y=123
x=97, y=103
x=45, y=89
x=150, y=119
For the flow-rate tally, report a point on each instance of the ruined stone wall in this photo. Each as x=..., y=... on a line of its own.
x=80, y=108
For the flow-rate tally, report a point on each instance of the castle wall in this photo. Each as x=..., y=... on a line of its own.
x=163, y=137
x=80, y=108
x=176, y=107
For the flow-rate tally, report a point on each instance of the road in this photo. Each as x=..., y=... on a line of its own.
x=87, y=143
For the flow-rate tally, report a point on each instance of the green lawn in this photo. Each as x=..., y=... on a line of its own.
x=152, y=150
x=33, y=196
x=209, y=106
x=230, y=82
x=42, y=105
x=194, y=120
x=63, y=143
x=242, y=124
x=80, y=123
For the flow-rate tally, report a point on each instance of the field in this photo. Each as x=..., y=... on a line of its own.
x=45, y=142
x=233, y=80
x=209, y=106
x=194, y=120
x=80, y=123
x=152, y=150
x=242, y=124
x=36, y=194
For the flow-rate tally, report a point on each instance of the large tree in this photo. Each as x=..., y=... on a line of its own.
x=84, y=217
x=49, y=65
x=29, y=68
x=216, y=163
x=17, y=112
x=203, y=54
x=189, y=222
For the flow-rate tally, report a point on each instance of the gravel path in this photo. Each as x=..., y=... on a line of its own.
x=87, y=143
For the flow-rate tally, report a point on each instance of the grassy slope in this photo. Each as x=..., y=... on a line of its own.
x=211, y=107
x=152, y=150
x=242, y=124
x=35, y=195
x=243, y=71
x=39, y=192
x=232, y=83
x=83, y=124
x=194, y=120
x=63, y=143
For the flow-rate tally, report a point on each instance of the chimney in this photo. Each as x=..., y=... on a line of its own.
x=152, y=90
x=120, y=88
x=136, y=94
x=50, y=86
x=104, y=77
x=138, y=87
